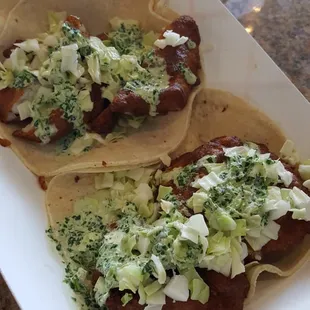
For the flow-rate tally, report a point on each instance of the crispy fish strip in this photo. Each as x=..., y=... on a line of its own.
x=175, y=96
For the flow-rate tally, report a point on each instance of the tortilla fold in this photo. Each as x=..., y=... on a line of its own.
x=155, y=138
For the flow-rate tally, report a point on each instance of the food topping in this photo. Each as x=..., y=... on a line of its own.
x=57, y=70
x=170, y=38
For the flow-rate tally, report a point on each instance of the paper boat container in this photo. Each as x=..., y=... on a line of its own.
x=234, y=63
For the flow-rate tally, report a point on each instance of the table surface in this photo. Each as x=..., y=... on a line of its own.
x=282, y=28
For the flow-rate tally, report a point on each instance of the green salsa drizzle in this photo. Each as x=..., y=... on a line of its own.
x=127, y=39
x=23, y=79
x=147, y=81
x=239, y=189
x=189, y=76
x=88, y=243
x=129, y=62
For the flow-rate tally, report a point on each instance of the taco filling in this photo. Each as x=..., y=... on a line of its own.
x=68, y=85
x=243, y=187
x=126, y=248
x=181, y=236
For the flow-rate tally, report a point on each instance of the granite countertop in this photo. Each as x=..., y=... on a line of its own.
x=282, y=28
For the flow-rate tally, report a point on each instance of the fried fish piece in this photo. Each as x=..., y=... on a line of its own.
x=27, y=133
x=214, y=147
x=98, y=101
x=8, y=97
x=127, y=102
x=105, y=122
x=100, y=120
x=8, y=51
x=175, y=96
x=291, y=233
x=63, y=128
x=225, y=293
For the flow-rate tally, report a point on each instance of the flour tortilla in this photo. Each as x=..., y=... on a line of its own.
x=215, y=113
x=156, y=138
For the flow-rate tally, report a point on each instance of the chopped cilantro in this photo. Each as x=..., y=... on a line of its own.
x=186, y=175
x=23, y=79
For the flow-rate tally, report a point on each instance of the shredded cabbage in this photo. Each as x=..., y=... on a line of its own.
x=129, y=277
x=83, y=143
x=24, y=110
x=163, y=191
x=159, y=269
x=157, y=298
x=199, y=291
x=304, y=171
x=224, y=255
x=225, y=222
x=50, y=40
x=189, y=233
x=280, y=208
x=30, y=45
x=152, y=288
x=126, y=299
x=271, y=230
x=18, y=59
x=85, y=101
x=307, y=184
x=135, y=174
x=236, y=150
x=166, y=206
x=142, y=294
x=101, y=291
x=208, y=181
x=197, y=222
x=177, y=288
x=6, y=77
x=69, y=60
x=289, y=153
x=104, y=180
x=94, y=68
x=153, y=307
x=237, y=266
x=143, y=195
x=196, y=202
x=143, y=245
x=171, y=38
x=301, y=204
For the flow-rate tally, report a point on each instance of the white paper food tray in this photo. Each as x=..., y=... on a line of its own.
x=234, y=62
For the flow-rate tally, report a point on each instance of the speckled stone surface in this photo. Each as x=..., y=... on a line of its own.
x=282, y=28
x=7, y=301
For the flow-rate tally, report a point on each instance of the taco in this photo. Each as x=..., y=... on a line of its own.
x=280, y=243
x=252, y=208
x=71, y=100
x=124, y=249
x=220, y=113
